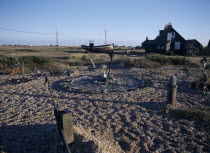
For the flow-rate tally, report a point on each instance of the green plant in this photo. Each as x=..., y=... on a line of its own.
x=29, y=61
x=9, y=61
x=26, y=50
x=157, y=60
x=32, y=61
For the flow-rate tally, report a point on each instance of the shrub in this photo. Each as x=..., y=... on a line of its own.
x=26, y=50
x=29, y=61
x=179, y=61
x=84, y=58
x=202, y=116
x=156, y=60
x=146, y=63
x=9, y=61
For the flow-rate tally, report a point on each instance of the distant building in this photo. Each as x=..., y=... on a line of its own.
x=207, y=50
x=138, y=47
x=169, y=41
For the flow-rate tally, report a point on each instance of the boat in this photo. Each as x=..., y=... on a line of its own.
x=98, y=49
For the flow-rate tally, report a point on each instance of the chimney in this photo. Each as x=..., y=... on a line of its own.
x=146, y=38
x=168, y=26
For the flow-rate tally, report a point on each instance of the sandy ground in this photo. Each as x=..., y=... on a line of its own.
x=131, y=121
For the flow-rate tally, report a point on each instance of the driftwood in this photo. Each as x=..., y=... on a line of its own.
x=92, y=62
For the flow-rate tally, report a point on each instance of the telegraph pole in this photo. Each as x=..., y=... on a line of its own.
x=105, y=36
x=56, y=38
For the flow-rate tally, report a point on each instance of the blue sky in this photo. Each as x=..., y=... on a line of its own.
x=127, y=22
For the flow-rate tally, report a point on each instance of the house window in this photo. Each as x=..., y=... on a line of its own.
x=170, y=35
x=177, y=45
x=158, y=46
x=173, y=34
x=162, y=47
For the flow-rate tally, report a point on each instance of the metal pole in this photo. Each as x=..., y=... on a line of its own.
x=56, y=38
x=105, y=36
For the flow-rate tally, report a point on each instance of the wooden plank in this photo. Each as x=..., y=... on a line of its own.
x=67, y=126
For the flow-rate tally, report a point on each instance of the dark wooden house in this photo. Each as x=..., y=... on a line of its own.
x=193, y=47
x=169, y=41
x=207, y=50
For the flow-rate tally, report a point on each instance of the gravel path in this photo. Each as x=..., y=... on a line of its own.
x=132, y=121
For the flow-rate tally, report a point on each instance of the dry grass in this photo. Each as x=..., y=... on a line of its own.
x=76, y=56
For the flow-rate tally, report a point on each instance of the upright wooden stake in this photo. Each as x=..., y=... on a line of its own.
x=172, y=88
x=171, y=95
x=92, y=63
x=67, y=125
x=111, y=54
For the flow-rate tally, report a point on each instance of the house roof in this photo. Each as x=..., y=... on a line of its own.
x=154, y=42
x=163, y=33
x=194, y=42
x=208, y=46
x=161, y=39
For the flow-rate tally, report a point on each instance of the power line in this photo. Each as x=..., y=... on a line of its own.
x=25, y=31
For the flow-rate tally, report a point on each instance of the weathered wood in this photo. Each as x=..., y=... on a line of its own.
x=111, y=55
x=64, y=122
x=172, y=89
x=92, y=63
x=58, y=115
x=172, y=95
x=67, y=125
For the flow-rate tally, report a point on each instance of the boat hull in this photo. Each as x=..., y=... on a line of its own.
x=98, y=49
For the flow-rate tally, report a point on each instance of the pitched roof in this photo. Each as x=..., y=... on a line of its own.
x=154, y=42
x=208, y=46
x=194, y=42
x=163, y=33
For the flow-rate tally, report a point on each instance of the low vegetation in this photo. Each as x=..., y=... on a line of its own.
x=26, y=50
x=30, y=62
x=47, y=57
x=202, y=116
x=156, y=60
x=149, y=61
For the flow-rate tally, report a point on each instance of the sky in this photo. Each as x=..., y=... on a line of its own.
x=127, y=22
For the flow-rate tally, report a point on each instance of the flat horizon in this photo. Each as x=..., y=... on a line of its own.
x=126, y=22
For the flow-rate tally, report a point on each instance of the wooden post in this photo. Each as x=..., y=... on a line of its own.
x=92, y=63
x=172, y=95
x=172, y=89
x=111, y=55
x=67, y=125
